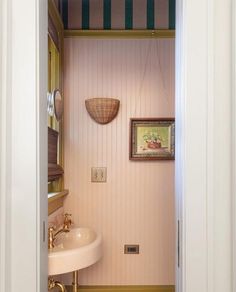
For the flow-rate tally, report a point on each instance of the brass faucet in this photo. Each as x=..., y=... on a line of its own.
x=67, y=221
x=52, y=284
x=66, y=228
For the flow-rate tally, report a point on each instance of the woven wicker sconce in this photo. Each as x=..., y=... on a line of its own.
x=102, y=110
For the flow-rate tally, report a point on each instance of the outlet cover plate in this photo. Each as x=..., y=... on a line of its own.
x=99, y=174
x=131, y=249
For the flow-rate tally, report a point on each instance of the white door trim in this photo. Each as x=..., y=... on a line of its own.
x=5, y=160
x=23, y=147
x=233, y=177
x=203, y=122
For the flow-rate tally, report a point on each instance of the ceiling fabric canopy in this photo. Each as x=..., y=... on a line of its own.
x=117, y=14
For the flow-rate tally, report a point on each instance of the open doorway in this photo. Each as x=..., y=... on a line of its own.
x=194, y=103
x=124, y=50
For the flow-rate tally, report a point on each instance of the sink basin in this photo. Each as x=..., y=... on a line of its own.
x=75, y=250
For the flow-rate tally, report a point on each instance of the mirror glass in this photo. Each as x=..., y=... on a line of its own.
x=55, y=104
x=58, y=104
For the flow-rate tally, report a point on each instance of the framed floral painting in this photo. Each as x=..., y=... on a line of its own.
x=152, y=139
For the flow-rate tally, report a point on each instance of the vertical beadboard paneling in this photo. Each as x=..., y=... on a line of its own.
x=136, y=205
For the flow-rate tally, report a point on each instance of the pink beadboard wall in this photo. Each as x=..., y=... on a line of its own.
x=136, y=205
x=56, y=218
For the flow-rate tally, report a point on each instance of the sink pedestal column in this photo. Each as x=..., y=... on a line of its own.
x=75, y=281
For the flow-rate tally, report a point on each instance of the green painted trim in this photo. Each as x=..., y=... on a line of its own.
x=147, y=288
x=128, y=14
x=60, y=7
x=56, y=201
x=117, y=34
x=54, y=13
x=150, y=14
x=107, y=14
x=65, y=13
x=58, y=195
x=85, y=14
x=172, y=14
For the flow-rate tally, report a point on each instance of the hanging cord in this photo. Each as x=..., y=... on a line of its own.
x=158, y=66
x=164, y=89
x=143, y=75
x=145, y=68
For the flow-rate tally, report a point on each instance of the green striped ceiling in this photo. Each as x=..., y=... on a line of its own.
x=118, y=14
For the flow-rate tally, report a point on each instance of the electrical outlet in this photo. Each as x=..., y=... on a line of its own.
x=131, y=248
x=98, y=174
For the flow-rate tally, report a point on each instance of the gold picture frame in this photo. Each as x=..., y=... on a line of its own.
x=152, y=139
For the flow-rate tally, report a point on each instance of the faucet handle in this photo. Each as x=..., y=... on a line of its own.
x=51, y=230
x=67, y=221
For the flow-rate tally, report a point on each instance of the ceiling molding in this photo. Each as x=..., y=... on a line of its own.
x=164, y=33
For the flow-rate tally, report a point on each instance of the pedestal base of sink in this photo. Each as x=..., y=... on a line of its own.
x=75, y=284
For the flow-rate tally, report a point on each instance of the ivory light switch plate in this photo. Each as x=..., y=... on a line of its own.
x=98, y=174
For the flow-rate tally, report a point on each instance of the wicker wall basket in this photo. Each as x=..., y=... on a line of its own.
x=102, y=110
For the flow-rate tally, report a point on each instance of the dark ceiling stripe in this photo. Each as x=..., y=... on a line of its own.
x=65, y=13
x=171, y=14
x=107, y=14
x=128, y=14
x=85, y=14
x=150, y=14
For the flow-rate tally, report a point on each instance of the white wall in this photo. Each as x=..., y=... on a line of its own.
x=23, y=146
x=136, y=205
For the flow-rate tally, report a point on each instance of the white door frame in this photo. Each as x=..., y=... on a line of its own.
x=23, y=147
x=233, y=175
x=203, y=145
x=204, y=178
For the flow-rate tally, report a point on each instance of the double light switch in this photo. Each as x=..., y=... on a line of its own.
x=98, y=174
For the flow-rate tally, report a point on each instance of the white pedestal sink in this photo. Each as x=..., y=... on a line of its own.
x=75, y=250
